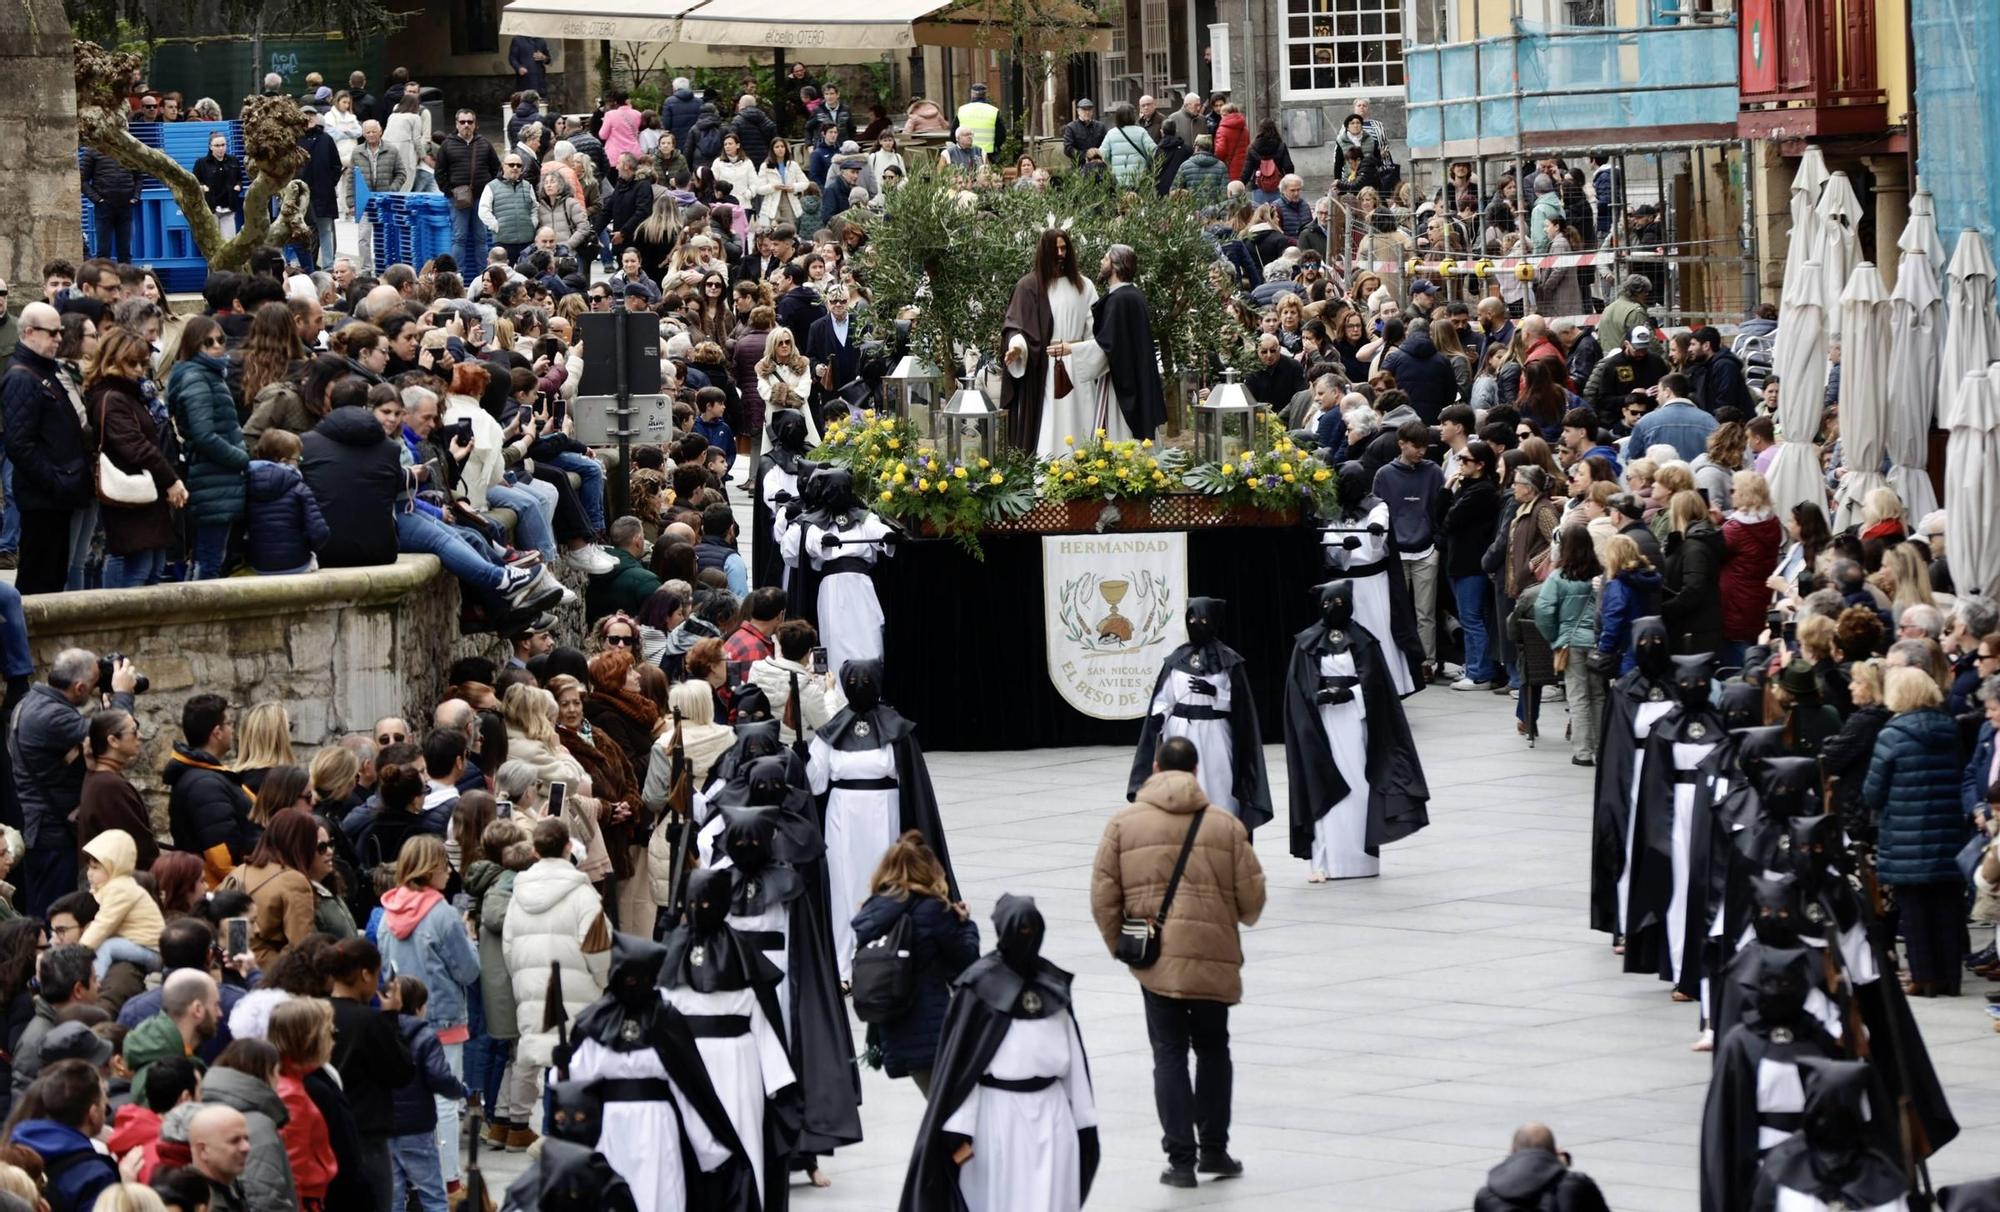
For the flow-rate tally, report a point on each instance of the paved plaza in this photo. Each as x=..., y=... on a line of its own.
x=1394, y=1031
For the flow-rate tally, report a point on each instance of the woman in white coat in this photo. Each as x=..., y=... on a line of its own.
x=409, y=132
x=781, y=187
x=735, y=169
x=555, y=917
x=784, y=366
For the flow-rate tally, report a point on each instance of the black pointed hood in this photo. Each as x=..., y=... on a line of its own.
x=1775, y=912
x=1013, y=978
x=623, y=1016
x=750, y=839
x=703, y=953
x=1651, y=649
x=1742, y=706
x=867, y=722
x=1357, y=489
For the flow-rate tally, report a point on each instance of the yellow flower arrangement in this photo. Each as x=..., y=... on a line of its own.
x=1104, y=469
x=1282, y=476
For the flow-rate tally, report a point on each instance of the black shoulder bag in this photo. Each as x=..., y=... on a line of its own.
x=1139, y=937
x=885, y=972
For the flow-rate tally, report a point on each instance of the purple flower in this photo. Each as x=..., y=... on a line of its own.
x=1271, y=481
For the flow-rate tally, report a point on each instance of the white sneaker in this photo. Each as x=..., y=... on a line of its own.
x=1469, y=684
x=589, y=560
x=547, y=580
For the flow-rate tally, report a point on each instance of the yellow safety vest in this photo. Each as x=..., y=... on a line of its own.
x=981, y=118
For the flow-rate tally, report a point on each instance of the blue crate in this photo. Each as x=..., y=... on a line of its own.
x=182, y=276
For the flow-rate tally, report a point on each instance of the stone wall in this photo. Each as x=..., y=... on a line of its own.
x=38, y=183
x=340, y=648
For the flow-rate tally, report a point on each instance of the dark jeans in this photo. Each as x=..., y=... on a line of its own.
x=1190, y=1111
x=46, y=872
x=1934, y=932
x=378, y=1173
x=114, y=232
x=44, y=553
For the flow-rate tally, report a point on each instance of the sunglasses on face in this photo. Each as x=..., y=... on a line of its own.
x=392, y=738
x=324, y=848
x=623, y=641
x=214, y=343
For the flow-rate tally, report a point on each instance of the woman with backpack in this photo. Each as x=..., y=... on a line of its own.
x=1268, y=163
x=909, y=887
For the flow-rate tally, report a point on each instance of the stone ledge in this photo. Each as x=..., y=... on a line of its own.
x=230, y=597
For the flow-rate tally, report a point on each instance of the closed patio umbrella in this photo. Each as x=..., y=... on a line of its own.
x=1800, y=361
x=1864, y=396
x=1971, y=331
x=1972, y=484
x=1839, y=245
x=1916, y=332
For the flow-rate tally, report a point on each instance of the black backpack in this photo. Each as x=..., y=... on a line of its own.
x=885, y=973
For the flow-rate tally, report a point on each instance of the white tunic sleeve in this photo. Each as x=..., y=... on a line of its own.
x=819, y=766
x=771, y=1055
x=709, y=1152
x=965, y=1120
x=1076, y=1082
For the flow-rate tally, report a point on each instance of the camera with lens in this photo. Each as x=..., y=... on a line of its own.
x=108, y=663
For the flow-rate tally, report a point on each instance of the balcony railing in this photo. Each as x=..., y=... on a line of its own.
x=1808, y=69
x=1559, y=88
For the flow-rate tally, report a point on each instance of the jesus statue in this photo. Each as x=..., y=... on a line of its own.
x=1055, y=385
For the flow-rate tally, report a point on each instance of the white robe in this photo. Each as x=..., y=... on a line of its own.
x=1211, y=739
x=640, y=1139
x=1798, y=1201
x=861, y=824
x=1024, y=1147
x=1088, y=407
x=775, y=919
x=1339, y=845
x=744, y=1069
x=1643, y=719
x=850, y=615
x=779, y=482
x=1372, y=603
x=1686, y=757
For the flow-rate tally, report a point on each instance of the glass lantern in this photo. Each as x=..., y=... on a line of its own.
x=969, y=427
x=1229, y=424
x=912, y=392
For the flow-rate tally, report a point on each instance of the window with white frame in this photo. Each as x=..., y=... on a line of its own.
x=1341, y=47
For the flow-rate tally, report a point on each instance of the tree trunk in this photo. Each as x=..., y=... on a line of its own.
x=105, y=131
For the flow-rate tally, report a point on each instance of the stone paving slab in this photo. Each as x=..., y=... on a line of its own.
x=1395, y=1030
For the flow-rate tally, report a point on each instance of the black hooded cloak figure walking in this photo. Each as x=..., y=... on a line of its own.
x=842, y=549
x=1204, y=694
x=664, y=1130
x=1637, y=700
x=806, y=508
x=867, y=765
x=1355, y=777
x=1835, y=1163
x=1012, y=1120
x=1360, y=548
x=1755, y=1097
x=777, y=484
x=773, y=907
x=1669, y=839
x=571, y=1175
x=729, y=994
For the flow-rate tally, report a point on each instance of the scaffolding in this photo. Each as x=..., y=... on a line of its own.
x=1657, y=104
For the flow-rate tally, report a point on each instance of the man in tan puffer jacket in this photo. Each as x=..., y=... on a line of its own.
x=1198, y=976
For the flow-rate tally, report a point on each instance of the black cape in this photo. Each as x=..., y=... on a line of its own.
x=1729, y=1122
x=568, y=1177
x=1612, y=803
x=1250, y=784
x=1651, y=887
x=1124, y=331
x=883, y=725
x=1397, y=791
x=820, y=1040
x=986, y=999
x=649, y=1022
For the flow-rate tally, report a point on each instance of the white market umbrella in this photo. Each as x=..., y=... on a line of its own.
x=1972, y=484
x=1971, y=331
x=1839, y=245
x=1920, y=234
x=1916, y=313
x=1800, y=363
x=1800, y=251
x=1864, y=392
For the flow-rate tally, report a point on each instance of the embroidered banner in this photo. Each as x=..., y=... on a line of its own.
x=1113, y=606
